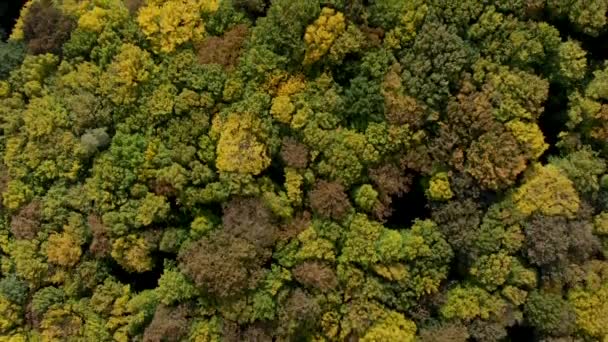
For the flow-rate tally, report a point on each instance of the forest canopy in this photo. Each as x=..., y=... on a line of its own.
x=304, y=170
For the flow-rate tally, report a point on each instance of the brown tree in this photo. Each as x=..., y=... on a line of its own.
x=222, y=264
x=26, y=223
x=329, y=200
x=294, y=154
x=224, y=50
x=45, y=28
x=101, y=246
x=298, y=316
x=390, y=181
x=250, y=219
x=316, y=275
x=168, y=325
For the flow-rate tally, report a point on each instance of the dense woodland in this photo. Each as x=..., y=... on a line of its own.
x=304, y=170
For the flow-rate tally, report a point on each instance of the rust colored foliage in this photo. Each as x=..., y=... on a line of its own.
x=224, y=50
x=316, y=275
x=133, y=5
x=297, y=224
x=222, y=264
x=390, y=181
x=329, y=200
x=300, y=314
x=168, y=325
x=26, y=223
x=45, y=28
x=450, y=332
x=495, y=166
x=294, y=154
x=101, y=246
x=232, y=332
x=400, y=108
x=250, y=219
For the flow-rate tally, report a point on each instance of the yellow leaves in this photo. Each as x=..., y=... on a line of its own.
x=104, y=14
x=10, y=315
x=600, y=223
x=93, y=20
x=129, y=68
x=293, y=185
x=132, y=252
x=168, y=24
x=591, y=309
x=238, y=148
x=470, y=302
x=15, y=337
x=393, y=327
x=5, y=89
x=514, y=295
x=44, y=115
x=439, y=187
x=84, y=76
x=59, y=323
x=17, y=33
x=63, y=249
x=492, y=270
x=152, y=208
x=282, y=109
x=74, y=7
x=162, y=101
x=330, y=324
x=17, y=194
x=320, y=36
x=28, y=264
x=315, y=247
x=547, y=191
x=529, y=136
x=200, y=226
x=394, y=272
x=407, y=29
x=292, y=86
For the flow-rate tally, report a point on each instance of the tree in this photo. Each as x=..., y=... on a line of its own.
x=320, y=36
x=316, y=275
x=329, y=200
x=224, y=50
x=587, y=17
x=12, y=53
x=222, y=265
x=336, y=170
x=549, y=313
x=170, y=24
x=547, y=191
x=393, y=327
x=45, y=28
x=167, y=325
x=238, y=148
x=470, y=302
x=588, y=300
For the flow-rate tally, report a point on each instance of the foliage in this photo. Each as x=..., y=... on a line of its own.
x=304, y=170
x=45, y=28
x=168, y=24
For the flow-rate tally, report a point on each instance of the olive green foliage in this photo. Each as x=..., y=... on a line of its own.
x=304, y=170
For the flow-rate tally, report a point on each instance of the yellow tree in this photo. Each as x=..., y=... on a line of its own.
x=320, y=36
x=238, y=148
x=168, y=24
x=548, y=192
